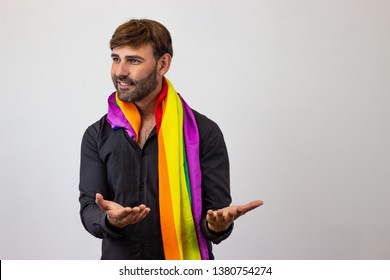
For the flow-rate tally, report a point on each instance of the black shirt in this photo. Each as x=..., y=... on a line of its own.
x=114, y=165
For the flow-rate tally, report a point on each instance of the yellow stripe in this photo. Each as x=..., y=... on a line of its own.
x=172, y=126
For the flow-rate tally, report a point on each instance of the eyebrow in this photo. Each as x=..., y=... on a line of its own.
x=129, y=56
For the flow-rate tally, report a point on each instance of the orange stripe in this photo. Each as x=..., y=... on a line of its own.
x=171, y=248
x=131, y=113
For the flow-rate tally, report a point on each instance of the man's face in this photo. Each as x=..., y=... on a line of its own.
x=134, y=72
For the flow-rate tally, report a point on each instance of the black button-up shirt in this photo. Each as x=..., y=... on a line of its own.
x=115, y=166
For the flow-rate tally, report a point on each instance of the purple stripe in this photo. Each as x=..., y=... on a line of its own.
x=191, y=140
x=116, y=118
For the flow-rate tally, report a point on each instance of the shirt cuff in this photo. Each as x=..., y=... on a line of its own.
x=215, y=237
x=108, y=230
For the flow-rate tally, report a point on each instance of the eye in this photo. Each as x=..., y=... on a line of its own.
x=134, y=61
x=115, y=59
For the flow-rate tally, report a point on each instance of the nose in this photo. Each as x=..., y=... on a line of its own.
x=120, y=69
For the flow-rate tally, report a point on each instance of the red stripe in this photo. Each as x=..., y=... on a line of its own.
x=159, y=105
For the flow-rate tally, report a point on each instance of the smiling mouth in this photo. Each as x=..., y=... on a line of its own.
x=123, y=84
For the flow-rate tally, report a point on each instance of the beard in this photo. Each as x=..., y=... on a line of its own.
x=139, y=88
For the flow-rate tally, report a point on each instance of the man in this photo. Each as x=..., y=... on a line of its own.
x=154, y=175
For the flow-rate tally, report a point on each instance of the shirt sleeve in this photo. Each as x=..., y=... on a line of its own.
x=93, y=179
x=214, y=163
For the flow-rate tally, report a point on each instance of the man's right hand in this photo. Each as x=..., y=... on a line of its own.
x=119, y=216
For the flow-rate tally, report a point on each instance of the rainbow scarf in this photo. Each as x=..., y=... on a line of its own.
x=179, y=171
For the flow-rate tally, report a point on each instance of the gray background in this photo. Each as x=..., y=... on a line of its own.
x=301, y=90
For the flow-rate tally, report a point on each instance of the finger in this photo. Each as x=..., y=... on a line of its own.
x=136, y=215
x=250, y=206
x=136, y=209
x=119, y=214
x=142, y=207
x=211, y=216
x=228, y=217
x=220, y=214
x=142, y=214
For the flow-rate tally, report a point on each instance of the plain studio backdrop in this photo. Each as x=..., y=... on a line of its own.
x=301, y=90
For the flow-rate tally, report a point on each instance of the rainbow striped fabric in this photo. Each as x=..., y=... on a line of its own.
x=179, y=170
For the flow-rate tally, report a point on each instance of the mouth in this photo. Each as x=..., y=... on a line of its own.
x=124, y=85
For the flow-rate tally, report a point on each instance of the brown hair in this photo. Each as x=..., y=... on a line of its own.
x=141, y=32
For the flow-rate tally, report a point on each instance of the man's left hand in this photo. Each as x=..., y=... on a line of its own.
x=220, y=220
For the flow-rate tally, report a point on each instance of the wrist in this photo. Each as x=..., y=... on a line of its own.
x=111, y=225
x=217, y=230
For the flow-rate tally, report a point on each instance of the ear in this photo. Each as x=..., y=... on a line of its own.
x=164, y=63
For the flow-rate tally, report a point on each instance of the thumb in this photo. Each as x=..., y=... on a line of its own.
x=99, y=200
x=250, y=206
